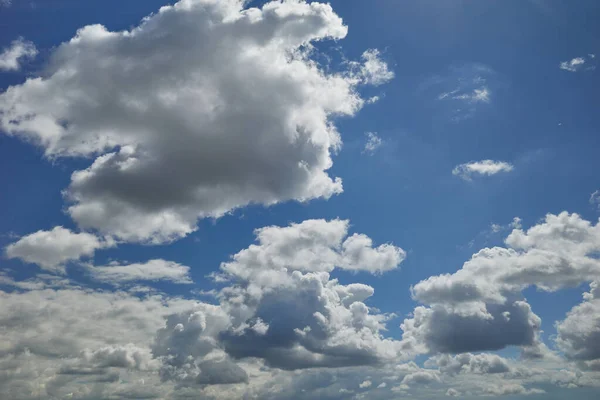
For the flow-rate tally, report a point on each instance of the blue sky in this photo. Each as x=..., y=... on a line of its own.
x=505, y=89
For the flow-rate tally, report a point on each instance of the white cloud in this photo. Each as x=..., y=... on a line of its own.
x=20, y=49
x=310, y=246
x=153, y=270
x=579, y=333
x=51, y=250
x=484, y=167
x=365, y=384
x=373, y=143
x=480, y=307
x=573, y=65
x=373, y=70
x=595, y=199
x=244, y=116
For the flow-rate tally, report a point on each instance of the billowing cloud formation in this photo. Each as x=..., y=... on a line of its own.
x=579, y=334
x=311, y=246
x=479, y=307
x=279, y=311
x=52, y=249
x=153, y=270
x=242, y=116
x=470, y=363
x=20, y=49
x=325, y=323
x=484, y=167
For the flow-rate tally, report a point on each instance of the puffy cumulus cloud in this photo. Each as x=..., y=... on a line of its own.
x=80, y=343
x=484, y=363
x=287, y=310
x=19, y=50
x=579, y=333
x=310, y=246
x=484, y=167
x=420, y=378
x=310, y=321
x=365, y=384
x=484, y=295
x=510, y=389
x=203, y=108
x=153, y=270
x=451, y=330
x=52, y=249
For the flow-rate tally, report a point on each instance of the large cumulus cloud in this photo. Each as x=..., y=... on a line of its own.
x=204, y=107
x=480, y=307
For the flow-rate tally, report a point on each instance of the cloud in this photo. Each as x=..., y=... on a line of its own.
x=595, y=199
x=365, y=384
x=373, y=143
x=313, y=245
x=153, y=270
x=578, y=63
x=579, y=333
x=480, y=307
x=484, y=167
x=373, y=70
x=311, y=319
x=481, y=364
x=462, y=91
x=51, y=250
x=243, y=116
x=20, y=49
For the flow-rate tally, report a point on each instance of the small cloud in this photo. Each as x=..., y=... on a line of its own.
x=496, y=228
x=365, y=385
x=373, y=99
x=595, y=199
x=373, y=143
x=484, y=167
x=5, y=3
x=373, y=70
x=382, y=385
x=516, y=223
x=11, y=57
x=578, y=63
x=463, y=90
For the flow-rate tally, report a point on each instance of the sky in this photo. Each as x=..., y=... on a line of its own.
x=358, y=199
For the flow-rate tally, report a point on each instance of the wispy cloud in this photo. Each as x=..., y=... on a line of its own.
x=484, y=167
x=11, y=57
x=373, y=143
x=595, y=199
x=463, y=90
x=578, y=63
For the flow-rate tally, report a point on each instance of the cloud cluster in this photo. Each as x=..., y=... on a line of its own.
x=279, y=312
x=484, y=167
x=480, y=307
x=19, y=50
x=579, y=334
x=244, y=116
